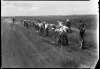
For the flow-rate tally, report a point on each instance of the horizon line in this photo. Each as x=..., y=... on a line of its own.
x=53, y=15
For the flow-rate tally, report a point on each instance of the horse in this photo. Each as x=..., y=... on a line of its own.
x=61, y=35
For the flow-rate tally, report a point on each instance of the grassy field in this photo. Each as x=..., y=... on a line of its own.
x=24, y=48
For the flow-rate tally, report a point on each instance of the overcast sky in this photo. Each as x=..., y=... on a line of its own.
x=33, y=8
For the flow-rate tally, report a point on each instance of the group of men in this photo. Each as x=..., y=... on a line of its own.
x=61, y=30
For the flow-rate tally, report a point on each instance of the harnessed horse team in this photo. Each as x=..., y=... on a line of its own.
x=60, y=30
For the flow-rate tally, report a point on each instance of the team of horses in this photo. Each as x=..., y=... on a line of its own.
x=62, y=32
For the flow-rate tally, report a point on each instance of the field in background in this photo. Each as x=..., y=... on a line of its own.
x=23, y=47
x=90, y=20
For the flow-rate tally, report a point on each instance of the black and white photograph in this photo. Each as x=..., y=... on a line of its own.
x=49, y=34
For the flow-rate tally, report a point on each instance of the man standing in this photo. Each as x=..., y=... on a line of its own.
x=13, y=19
x=68, y=24
x=82, y=34
x=12, y=23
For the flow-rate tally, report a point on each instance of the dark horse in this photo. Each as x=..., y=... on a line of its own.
x=63, y=39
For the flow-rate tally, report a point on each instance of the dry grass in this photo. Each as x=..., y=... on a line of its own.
x=25, y=48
